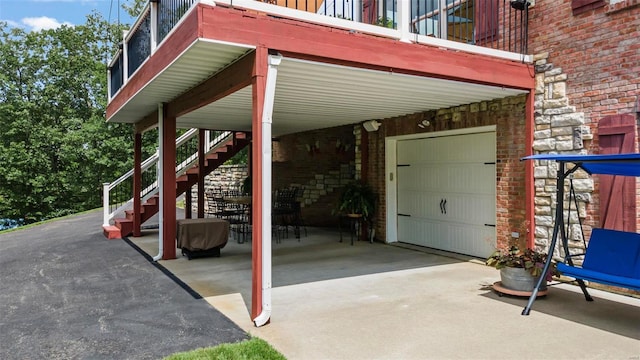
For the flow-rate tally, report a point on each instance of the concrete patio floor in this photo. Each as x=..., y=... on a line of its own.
x=377, y=301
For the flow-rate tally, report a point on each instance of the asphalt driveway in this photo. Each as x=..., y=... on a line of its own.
x=66, y=292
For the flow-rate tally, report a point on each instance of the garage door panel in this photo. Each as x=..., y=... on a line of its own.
x=446, y=186
x=473, y=209
x=415, y=231
x=472, y=240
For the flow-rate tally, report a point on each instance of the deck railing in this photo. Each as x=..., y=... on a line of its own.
x=468, y=25
x=117, y=195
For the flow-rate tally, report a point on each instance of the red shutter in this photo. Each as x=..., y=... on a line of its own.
x=617, y=134
x=580, y=6
x=486, y=20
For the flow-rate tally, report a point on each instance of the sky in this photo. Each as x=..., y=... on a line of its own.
x=35, y=15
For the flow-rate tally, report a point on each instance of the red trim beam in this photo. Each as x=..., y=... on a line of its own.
x=356, y=49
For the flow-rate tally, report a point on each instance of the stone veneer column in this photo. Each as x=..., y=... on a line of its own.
x=558, y=129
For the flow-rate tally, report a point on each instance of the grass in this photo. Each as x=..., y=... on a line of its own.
x=252, y=349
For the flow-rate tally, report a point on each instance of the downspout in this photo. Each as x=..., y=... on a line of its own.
x=270, y=90
x=160, y=178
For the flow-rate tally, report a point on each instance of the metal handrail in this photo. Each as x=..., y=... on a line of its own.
x=150, y=162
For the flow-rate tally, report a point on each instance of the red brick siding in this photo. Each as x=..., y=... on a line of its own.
x=599, y=50
x=509, y=117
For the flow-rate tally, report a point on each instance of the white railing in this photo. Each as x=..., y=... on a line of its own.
x=110, y=210
x=417, y=21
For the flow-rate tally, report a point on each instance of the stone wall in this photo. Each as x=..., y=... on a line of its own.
x=225, y=177
x=559, y=128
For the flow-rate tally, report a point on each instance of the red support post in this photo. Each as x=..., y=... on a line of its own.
x=259, y=83
x=169, y=185
x=529, y=181
x=137, y=184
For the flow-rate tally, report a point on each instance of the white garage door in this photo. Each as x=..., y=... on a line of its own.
x=446, y=193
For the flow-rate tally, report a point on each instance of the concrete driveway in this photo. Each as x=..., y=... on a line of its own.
x=375, y=301
x=66, y=292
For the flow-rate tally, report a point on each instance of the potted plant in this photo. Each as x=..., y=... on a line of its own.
x=520, y=269
x=246, y=185
x=357, y=200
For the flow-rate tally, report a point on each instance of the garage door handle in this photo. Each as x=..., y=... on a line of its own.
x=404, y=215
x=441, y=208
x=491, y=225
x=444, y=206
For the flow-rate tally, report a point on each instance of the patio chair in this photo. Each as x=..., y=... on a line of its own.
x=287, y=211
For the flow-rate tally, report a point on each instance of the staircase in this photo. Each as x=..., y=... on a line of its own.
x=185, y=179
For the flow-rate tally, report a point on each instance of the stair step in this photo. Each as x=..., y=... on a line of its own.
x=154, y=200
x=125, y=225
x=129, y=213
x=241, y=135
x=111, y=232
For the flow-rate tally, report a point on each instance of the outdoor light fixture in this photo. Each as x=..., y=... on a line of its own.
x=371, y=125
x=424, y=124
x=520, y=4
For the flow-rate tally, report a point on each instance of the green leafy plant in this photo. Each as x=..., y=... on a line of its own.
x=357, y=198
x=246, y=185
x=386, y=22
x=529, y=259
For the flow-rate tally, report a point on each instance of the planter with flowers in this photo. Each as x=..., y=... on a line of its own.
x=520, y=270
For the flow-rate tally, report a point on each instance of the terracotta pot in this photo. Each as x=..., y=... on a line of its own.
x=519, y=279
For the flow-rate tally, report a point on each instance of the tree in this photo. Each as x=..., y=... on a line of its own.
x=56, y=148
x=134, y=7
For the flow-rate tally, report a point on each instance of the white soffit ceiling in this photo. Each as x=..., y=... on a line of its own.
x=197, y=63
x=312, y=95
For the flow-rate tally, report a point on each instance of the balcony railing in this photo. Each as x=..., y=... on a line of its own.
x=468, y=25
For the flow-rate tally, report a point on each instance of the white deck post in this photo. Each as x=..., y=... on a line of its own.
x=153, y=13
x=160, y=181
x=125, y=58
x=404, y=20
x=442, y=21
x=105, y=204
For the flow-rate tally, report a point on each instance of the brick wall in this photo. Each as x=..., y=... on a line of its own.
x=507, y=114
x=598, y=51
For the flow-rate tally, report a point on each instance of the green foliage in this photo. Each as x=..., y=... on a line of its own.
x=386, y=22
x=357, y=198
x=529, y=259
x=134, y=7
x=246, y=185
x=56, y=147
x=241, y=158
x=253, y=349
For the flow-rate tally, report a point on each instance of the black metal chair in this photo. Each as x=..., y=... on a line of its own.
x=287, y=212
